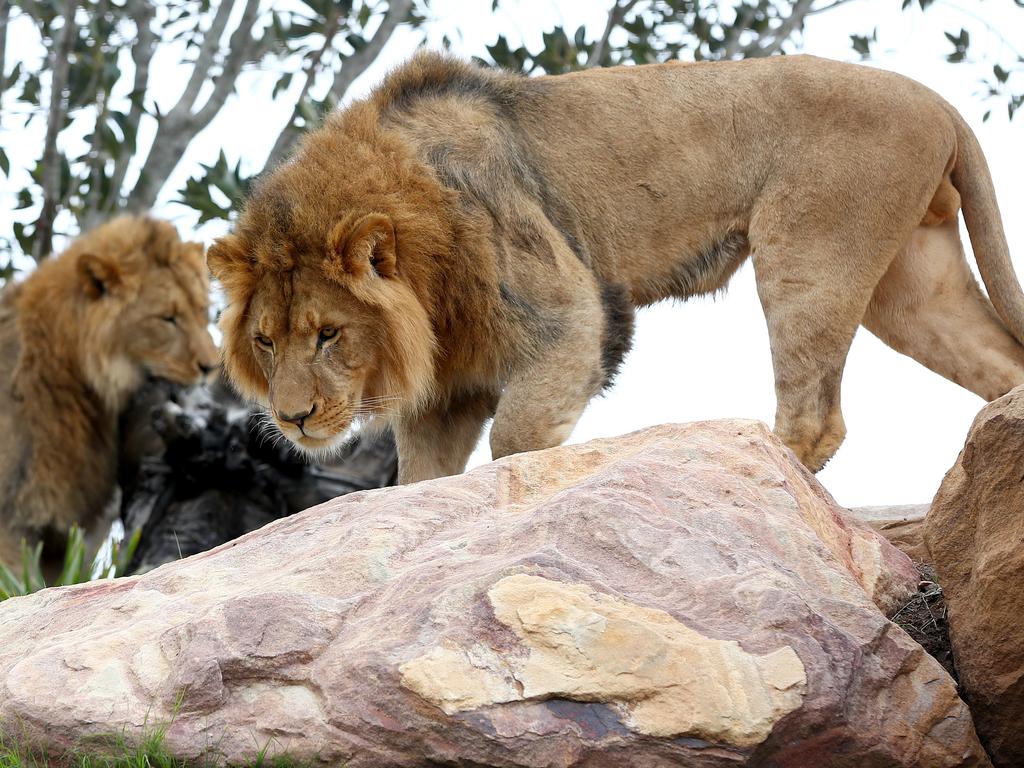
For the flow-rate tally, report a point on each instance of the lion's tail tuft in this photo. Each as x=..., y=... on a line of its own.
x=973, y=181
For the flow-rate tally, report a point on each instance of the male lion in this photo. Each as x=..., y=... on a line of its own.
x=77, y=338
x=466, y=243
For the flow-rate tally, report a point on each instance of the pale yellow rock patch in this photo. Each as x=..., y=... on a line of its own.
x=457, y=679
x=667, y=679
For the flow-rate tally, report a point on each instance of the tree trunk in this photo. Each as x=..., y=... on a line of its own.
x=51, y=161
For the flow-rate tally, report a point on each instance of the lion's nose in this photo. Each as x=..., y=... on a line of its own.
x=296, y=418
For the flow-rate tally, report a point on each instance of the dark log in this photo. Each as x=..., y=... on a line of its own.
x=196, y=471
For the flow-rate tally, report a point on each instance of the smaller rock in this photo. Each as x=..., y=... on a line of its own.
x=975, y=533
x=902, y=525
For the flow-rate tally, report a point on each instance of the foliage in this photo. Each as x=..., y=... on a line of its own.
x=661, y=30
x=112, y=142
x=76, y=567
x=1007, y=80
x=229, y=181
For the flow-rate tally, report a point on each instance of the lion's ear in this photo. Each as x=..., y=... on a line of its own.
x=226, y=257
x=99, y=276
x=364, y=246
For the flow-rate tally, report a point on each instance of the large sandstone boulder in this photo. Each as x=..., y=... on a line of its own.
x=975, y=532
x=686, y=595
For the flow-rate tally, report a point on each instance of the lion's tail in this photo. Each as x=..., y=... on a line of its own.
x=971, y=177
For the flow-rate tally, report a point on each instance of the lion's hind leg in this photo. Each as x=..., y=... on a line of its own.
x=929, y=306
x=814, y=289
x=810, y=332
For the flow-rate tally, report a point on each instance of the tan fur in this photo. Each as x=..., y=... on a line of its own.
x=77, y=337
x=480, y=240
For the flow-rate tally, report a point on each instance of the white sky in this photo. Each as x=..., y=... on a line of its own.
x=703, y=359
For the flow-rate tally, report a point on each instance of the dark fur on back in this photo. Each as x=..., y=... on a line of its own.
x=495, y=176
x=435, y=75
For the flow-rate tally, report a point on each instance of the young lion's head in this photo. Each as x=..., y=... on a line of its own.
x=327, y=316
x=135, y=301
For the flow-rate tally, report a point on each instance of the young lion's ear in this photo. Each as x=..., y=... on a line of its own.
x=99, y=276
x=363, y=246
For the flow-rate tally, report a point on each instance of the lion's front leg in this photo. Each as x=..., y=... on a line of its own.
x=541, y=404
x=438, y=442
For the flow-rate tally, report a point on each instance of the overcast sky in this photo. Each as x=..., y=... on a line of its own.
x=710, y=359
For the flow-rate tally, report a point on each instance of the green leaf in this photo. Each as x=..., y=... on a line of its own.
x=861, y=45
x=30, y=89
x=5, y=163
x=282, y=84
x=23, y=236
x=128, y=132
x=74, y=557
x=960, y=44
x=13, y=77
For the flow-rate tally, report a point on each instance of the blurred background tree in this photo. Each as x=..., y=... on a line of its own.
x=89, y=77
x=91, y=83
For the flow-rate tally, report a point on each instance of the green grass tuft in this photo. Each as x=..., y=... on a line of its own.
x=77, y=568
x=120, y=752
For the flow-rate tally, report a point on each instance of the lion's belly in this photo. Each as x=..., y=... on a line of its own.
x=704, y=271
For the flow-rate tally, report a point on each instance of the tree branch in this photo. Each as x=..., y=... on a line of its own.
x=615, y=16
x=176, y=130
x=352, y=68
x=207, y=54
x=992, y=28
x=5, y=14
x=97, y=152
x=780, y=34
x=240, y=49
x=51, y=165
x=289, y=133
x=142, y=12
x=358, y=62
x=97, y=161
x=741, y=25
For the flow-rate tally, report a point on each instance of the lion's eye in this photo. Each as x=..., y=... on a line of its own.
x=172, y=319
x=264, y=342
x=326, y=334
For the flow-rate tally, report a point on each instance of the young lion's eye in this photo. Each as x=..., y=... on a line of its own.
x=172, y=319
x=264, y=342
x=326, y=334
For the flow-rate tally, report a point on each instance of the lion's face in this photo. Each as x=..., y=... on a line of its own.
x=319, y=359
x=325, y=337
x=164, y=328
x=146, y=307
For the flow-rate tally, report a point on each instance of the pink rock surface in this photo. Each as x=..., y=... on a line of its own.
x=975, y=532
x=685, y=595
